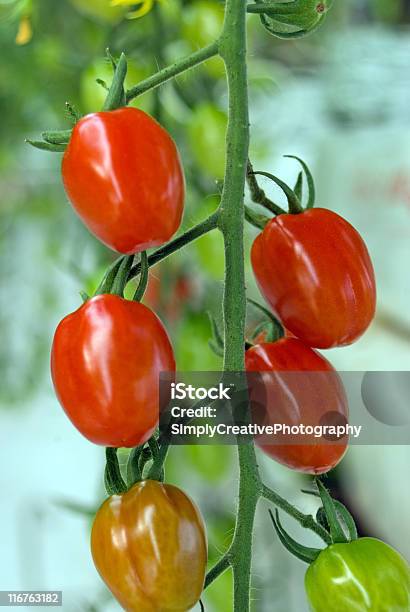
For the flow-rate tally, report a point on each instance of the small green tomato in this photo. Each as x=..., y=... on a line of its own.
x=359, y=576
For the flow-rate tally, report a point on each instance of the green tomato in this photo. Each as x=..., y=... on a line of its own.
x=206, y=135
x=93, y=95
x=101, y=10
x=365, y=574
x=202, y=23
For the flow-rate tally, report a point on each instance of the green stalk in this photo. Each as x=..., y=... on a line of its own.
x=172, y=71
x=232, y=212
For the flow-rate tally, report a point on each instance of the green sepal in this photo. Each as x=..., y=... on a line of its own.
x=122, y=276
x=133, y=470
x=84, y=296
x=142, y=285
x=309, y=179
x=304, y=553
x=265, y=327
x=116, y=94
x=109, y=277
x=336, y=530
x=72, y=112
x=295, y=207
x=113, y=480
x=57, y=136
x=103, y=84
x=47, y=146
x=321, y=518
x=342, y=512
x=298, y=188
x=255, y=219
x=278, y=331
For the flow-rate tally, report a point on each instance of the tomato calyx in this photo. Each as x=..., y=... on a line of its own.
x=270, y=328
x=56, y=141
x=114, y=483
x=333, y=516
x=294, y=196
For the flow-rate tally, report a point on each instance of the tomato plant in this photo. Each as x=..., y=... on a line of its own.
x=314, y=270
x=149, y=545
x=123, y=176
x=294, y=399
x=365, y=574
x=111, y=397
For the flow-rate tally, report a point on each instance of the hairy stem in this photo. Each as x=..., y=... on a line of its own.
x=169, y=72
x=306, y=520
x=232, y=212
x=175, y=245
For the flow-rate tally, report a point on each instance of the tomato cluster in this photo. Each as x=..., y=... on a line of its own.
x=123, y=176
x=315, y=272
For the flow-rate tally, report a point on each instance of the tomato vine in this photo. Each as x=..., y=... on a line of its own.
x=146, y=461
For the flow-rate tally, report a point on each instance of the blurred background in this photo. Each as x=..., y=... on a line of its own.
x=340, y=99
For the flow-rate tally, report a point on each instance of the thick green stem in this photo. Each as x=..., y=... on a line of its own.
x=192, y=234
x=169, y=72
x=233, y=51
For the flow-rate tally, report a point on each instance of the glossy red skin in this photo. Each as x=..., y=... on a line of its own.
x=298, y=399
x=315, y=272
x=105, y=363
x=123, y=176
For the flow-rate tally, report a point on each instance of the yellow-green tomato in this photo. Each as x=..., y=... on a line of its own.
x=206, y=135
x=202, y=23
x=149, y=546
x=93, y=94
x=101, y=10
x=365, y=575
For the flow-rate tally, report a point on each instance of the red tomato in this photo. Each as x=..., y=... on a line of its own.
x=149, y=546
x=105, y=362
x=123, y=176
x=315, y=272
x=310, y=393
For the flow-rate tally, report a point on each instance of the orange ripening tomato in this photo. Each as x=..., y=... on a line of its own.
x=297, y=386
x=149, y=546
x=123, y=176
x=315, y=272
x=105, y=363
